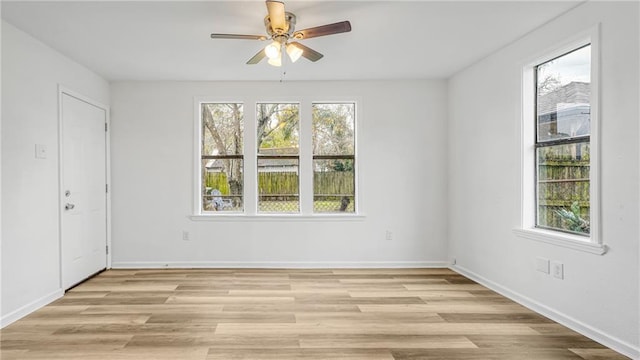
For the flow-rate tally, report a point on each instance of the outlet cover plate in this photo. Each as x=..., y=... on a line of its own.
x=557, y=269
x=542, y=265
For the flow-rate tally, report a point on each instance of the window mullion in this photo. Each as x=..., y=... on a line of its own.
x=250, y=158
x=306, y=155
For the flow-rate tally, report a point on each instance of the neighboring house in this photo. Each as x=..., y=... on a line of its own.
x=565, y=111
x=268, y=161
x=214, y=166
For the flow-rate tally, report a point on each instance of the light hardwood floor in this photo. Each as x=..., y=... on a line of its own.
x=290, y=314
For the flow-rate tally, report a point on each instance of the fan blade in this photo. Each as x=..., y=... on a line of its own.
x=330, y=29
x=276, y=15
x=308, y=52
x=238, y=37
x=257, y=57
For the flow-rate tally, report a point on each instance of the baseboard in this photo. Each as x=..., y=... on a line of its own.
x=614, y=343
x=29, y=308
x=277, y=264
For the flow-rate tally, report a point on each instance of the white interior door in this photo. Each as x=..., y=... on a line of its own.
x=84, y=201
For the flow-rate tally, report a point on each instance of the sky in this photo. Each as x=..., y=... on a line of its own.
x=574, y=66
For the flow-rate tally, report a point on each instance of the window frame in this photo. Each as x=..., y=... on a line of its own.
x=591, y=243
x=540, y=144
x=297, y=157
x=352, y=157
x=250, y=159
x=198, y=138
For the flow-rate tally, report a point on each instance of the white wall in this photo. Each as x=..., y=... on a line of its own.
x=599, y=294
x=31, y=72
x=152, y=171
x=402, y=145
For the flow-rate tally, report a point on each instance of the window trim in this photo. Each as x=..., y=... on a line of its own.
x=250, y=212
x=354, y=157
x=593, y=242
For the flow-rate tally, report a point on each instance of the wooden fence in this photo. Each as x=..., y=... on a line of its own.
x=287, y=183
x=563, y=179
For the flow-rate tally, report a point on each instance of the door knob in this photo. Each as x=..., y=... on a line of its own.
x=69, y=206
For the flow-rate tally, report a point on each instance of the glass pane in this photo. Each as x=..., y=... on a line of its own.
x=278, y=185
x=222, y=129
x=333, y=185
x=277, y=129
x=222, y=185
x=333, y=129
x=222, y=135
x=563, y=91
x=563, y=187
x=334, y=178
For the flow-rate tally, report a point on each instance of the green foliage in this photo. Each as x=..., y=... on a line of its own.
x=342, y=165
x=278, y=126
x=572, y=219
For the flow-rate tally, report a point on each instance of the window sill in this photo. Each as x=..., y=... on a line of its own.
x=277, y=217
x=574, y=242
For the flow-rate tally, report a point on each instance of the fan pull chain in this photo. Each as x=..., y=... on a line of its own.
x=285, y=64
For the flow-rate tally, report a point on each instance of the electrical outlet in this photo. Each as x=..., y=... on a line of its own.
x=542, y=265
x=557, y=269
x=185, y=236
x=388, y=235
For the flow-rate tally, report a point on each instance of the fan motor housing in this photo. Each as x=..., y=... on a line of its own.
x=290, y=20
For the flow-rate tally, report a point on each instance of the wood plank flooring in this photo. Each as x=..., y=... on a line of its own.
x=372, y=314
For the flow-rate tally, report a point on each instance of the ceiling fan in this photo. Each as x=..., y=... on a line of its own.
x=280, y=27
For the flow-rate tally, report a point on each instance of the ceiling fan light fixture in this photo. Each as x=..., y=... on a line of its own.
x=280, y=28
x=276, y=61
x=294, y=52
x=272, y=50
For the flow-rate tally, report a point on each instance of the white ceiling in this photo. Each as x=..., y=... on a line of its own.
x=149, y=40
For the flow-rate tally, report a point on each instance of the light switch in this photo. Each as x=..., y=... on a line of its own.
x=41, y=151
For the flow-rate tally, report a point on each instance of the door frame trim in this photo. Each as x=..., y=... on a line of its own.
x=62, y=90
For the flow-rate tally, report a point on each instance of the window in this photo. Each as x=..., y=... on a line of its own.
x=293, y=158
x=221, y=154
x=278, y=158
x=563, y=128
x=560, y=167
x=333, y=157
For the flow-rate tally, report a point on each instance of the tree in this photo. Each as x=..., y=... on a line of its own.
x=222, y=129
x=334, y=133
x=277, y=126
x=547, y=82
x=222, y=136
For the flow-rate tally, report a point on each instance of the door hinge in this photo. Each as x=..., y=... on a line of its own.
x=106, y=188
x=106, y=127
x=107, y=249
